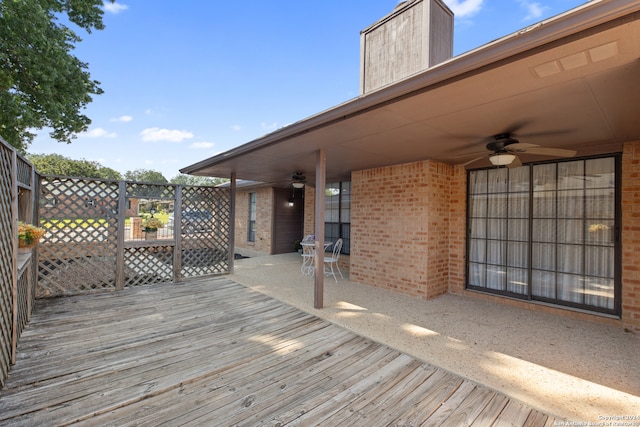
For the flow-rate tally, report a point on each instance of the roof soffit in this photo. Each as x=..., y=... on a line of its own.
x=447, y=121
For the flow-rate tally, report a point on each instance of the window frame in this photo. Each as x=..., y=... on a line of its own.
x=252, y=215
x=343, y=226
x=471, y=238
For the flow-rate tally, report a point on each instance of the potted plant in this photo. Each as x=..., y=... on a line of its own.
x=150, y=227
x=28, y=236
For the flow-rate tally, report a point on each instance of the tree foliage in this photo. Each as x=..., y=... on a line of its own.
x=55, y=164
x=41, y=83
x=183, y=179
x=145, y=175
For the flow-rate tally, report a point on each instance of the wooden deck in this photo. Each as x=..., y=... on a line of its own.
x=212, y=352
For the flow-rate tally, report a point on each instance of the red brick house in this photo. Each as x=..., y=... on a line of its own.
x=429, y=207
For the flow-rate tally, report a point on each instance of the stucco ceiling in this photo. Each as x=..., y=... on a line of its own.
x=577, y=90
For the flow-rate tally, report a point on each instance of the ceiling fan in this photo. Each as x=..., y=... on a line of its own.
x=504, y=149
x=298, y=180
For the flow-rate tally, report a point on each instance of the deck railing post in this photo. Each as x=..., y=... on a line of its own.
x=232, y=221
x=14, y=262
x=122, y=206
x=177, y=235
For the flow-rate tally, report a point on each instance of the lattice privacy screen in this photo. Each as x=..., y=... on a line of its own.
x=6, y=256
x=205, y=230
x=78, y=252
x=89, y=246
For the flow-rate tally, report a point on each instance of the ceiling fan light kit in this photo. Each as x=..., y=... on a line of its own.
x=501, y=159
x=298, y=180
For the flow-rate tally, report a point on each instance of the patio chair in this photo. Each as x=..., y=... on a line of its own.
x=333, y=260
x=307, y=256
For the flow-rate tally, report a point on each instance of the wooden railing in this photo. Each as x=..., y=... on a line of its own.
x=17, y=278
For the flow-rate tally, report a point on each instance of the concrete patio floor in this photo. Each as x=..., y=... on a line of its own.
x=571, y=369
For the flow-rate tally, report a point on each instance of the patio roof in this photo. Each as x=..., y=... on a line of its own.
x=572, y=81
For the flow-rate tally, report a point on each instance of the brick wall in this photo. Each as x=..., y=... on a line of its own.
x=631, y=236
x=400, y=228
x=457, y=232
x=309, y=210
x=264, y=220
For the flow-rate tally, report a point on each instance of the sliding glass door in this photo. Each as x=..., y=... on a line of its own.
x=546, y=232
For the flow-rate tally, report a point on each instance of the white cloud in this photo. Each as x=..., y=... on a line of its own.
x=114, y=7
x=172, y=135
x=534, y=9
x=203, y=144
x=124, y=119
x=98, y=133
x=236, y=127
x=464, y=8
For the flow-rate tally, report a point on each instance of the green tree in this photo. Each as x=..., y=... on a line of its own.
x=183, y=179
x=108, y=173
x=145, y=175
x=41, y=83
x=55, y=164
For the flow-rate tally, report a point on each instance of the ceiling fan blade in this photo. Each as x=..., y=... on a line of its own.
x=515, y=164
x=516, y=126
x=521, y=147
x=473, y=161
x=556, y=152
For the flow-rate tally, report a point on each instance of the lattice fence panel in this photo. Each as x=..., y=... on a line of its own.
x=23, y=295
x=6, y=261
x=24, y=171
x=206, y=248
x=150, y=191
x=78, y=252
x=147, y=265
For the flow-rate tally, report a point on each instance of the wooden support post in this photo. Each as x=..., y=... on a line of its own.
x=177, y=235
x=321, y=177
x=232, y=222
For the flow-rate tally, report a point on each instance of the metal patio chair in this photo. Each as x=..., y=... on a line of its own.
x=333, y=260
x=307, y=256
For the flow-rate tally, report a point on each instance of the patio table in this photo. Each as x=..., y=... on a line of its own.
x=308, y=256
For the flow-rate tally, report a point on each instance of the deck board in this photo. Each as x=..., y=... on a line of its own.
x=212, y=352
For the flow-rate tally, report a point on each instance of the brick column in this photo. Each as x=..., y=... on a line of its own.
x=400, y=228
x=458, y=234
x=631, y=236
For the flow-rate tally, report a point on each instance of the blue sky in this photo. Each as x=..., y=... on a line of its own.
x=186, y=80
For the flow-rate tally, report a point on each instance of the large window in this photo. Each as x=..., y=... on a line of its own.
x=338, y=214
x=547, y=232
x=251, y=227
